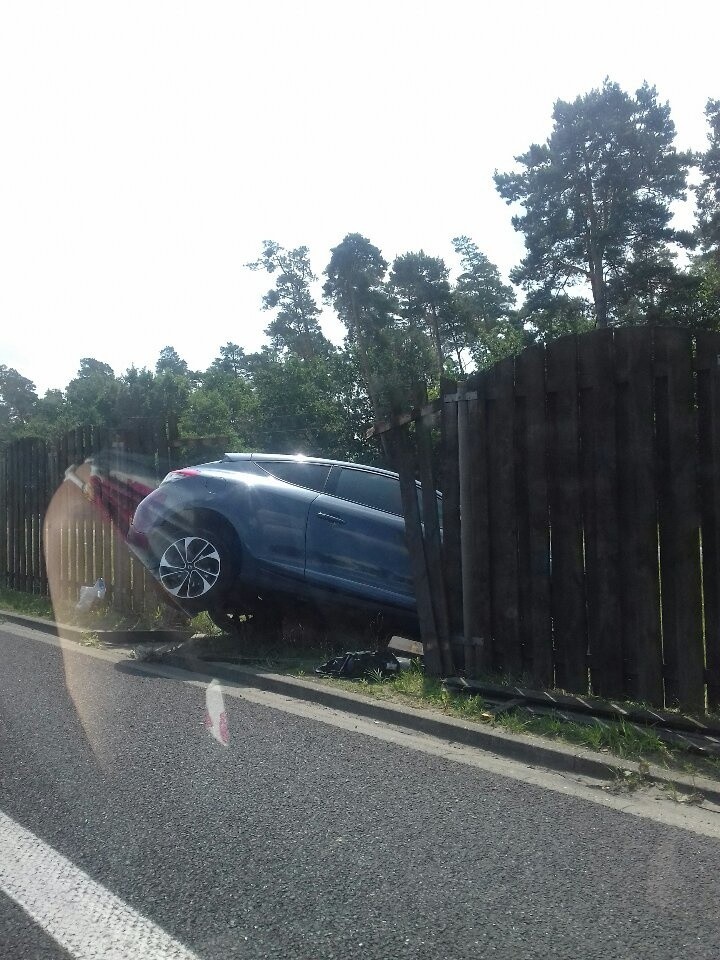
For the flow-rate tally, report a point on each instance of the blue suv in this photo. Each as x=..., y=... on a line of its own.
x=254, y=532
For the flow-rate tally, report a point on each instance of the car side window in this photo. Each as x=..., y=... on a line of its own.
x=370, y=489
x=310, y=475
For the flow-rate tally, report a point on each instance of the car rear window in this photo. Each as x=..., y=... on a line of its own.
x=370, y=489
x=310, y=475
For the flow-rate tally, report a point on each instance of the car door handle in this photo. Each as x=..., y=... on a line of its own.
x=331, y=518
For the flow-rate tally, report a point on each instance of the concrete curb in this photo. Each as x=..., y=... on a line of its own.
x=46, y=626
x=525, y=748
x=108, y=636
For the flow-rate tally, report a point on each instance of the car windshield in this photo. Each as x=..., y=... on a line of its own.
x=359, y=480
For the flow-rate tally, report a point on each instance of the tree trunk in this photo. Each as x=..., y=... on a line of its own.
x=599, y=292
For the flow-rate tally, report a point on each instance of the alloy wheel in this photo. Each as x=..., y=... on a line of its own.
x=189, y=567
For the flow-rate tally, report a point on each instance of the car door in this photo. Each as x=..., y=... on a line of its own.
x=356, y=539
x=276, y=520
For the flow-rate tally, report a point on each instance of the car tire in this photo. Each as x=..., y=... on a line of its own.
x=196, y=569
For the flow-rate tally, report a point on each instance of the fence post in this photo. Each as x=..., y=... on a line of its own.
x=467, y=466
x=679, y=519
x=451, y=506
x=637, y=514
x=433, y=543
x=398, y=443
x=707, y=363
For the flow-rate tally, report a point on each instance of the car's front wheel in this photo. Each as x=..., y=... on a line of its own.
x=196, y=569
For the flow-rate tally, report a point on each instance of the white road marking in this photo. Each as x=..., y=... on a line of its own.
x=648, y=805
x=81, y=915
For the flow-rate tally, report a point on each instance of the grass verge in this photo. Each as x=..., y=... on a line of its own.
x=26, y=604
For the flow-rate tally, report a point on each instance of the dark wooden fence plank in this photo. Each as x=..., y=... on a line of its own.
x=11, y=513
x=24, y=480
x=4, y=519
x=48, y=538
x=48, y=473
x=679, y=522
x=20, y=517
x=467, y=520
x=450, y=486
x=41, y=469
x=34, y=514
x=507, y=651
x=14, y=502
x=566, y=532
x=637, y=515
x=707, y=363
x=17, y=498
x=432, y=535
x=438, y=660
x=598, y=467
x=480, y=629
x=27, y=513
x=533, y=529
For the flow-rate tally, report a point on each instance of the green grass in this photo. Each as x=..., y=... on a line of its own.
x=25, y=604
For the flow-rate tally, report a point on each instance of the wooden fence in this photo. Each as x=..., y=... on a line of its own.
x=586, y=554
x=64, y=509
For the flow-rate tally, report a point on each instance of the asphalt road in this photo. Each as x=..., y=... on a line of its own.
x=300, y=840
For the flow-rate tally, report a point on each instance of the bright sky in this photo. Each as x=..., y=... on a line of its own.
x=149, y=147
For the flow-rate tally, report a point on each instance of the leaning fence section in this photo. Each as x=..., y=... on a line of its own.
x=582, y=515
x=65, y=505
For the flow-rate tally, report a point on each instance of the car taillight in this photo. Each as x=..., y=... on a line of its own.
x=179, y=474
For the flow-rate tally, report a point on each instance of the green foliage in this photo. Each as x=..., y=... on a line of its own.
x=421, y=289
x=231, y=359
x=223, y=405
x=705, y=272
x=596, y=195
x=18, y=402
x=355, y=286
x=170, y=361
x=90, y=367
x=548, y=317
x=393, y=355
x=295, y=328
x=708, y=192
x=309, y=406
x=92, y=396
x=51, y=417
x=485, y=325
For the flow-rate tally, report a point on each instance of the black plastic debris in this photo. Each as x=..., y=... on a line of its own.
x=359, y=664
